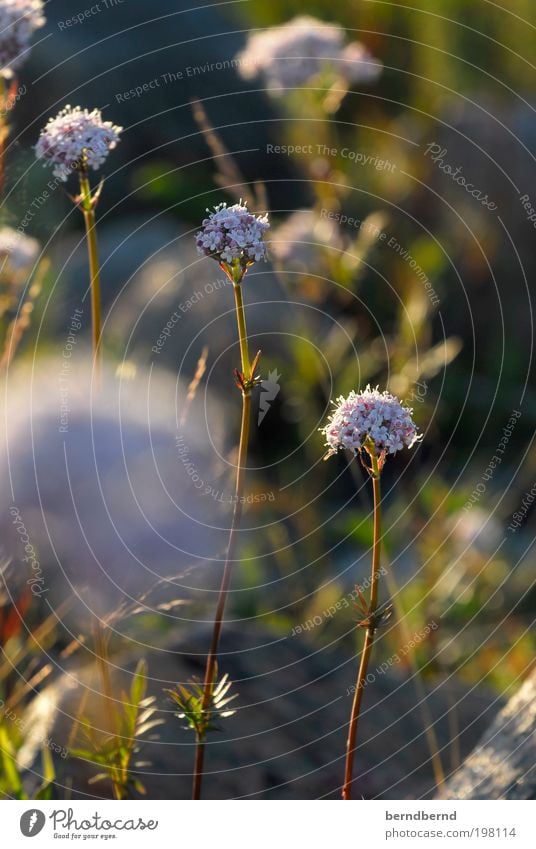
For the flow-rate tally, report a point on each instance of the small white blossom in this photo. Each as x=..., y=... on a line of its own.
x=291, y=55
x=233, y=236
x=17, y=251
x=76, y=136
x=371, y=414
x=18, y=21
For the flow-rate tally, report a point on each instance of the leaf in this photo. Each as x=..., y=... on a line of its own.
x=138, y=786
x=139, y=684
x=10, y=767
x=147, y=726
x=83, y=754
x=190, y=702
x=45, y=793
x=101, y=776
x=145, y=715
x=49, y=773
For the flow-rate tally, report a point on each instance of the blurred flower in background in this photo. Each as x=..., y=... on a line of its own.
x=302, y=50
x=125, y=499
x=21, y=275
x=18, y=252
x=19, y=19
x=301, y=241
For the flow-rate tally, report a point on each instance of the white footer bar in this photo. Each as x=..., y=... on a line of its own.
x=269, y=824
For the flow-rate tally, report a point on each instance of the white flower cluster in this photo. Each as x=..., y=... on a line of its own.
x=233, y=235
x=291, y=55
x=74, y=136
x=17, y=251
x=377, y=415
x=18, y=21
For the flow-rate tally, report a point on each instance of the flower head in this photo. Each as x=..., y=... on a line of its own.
x=291, y=55
x=370, y=416
x=234, y=237
x=18, y=21
x=17, y=251
x=76, y=140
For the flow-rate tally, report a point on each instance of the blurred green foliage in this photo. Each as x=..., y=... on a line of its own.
x=457, y=570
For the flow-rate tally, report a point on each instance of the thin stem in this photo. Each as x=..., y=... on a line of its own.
x=231, y=547
x=428, y=725
x=242, y=331
x=101, y=652
x=4, y=131
x=369, y=635
x=88, y=208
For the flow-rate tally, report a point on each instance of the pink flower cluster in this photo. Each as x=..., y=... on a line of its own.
x=233, y=235
x=74, y=136
x=377, y=415
x=291, y=55
x=18, y=21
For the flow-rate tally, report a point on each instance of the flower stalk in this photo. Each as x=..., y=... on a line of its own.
x=245, y=381
x=88, y=203
x=4, y=132
x=370, y=629
x=242, y=331
x=234, y=237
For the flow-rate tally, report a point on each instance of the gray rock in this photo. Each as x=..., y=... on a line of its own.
x=503, y=765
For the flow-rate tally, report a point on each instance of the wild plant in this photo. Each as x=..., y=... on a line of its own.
x=116, y=752
x=75, y=141
x=371, y=426
x=234, y=237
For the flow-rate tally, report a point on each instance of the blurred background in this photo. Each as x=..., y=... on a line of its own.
x=385, y=268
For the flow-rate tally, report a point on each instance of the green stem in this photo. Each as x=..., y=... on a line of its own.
x=242, y=331
x=88, y=208
x=231, y=547
x=369, y=635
